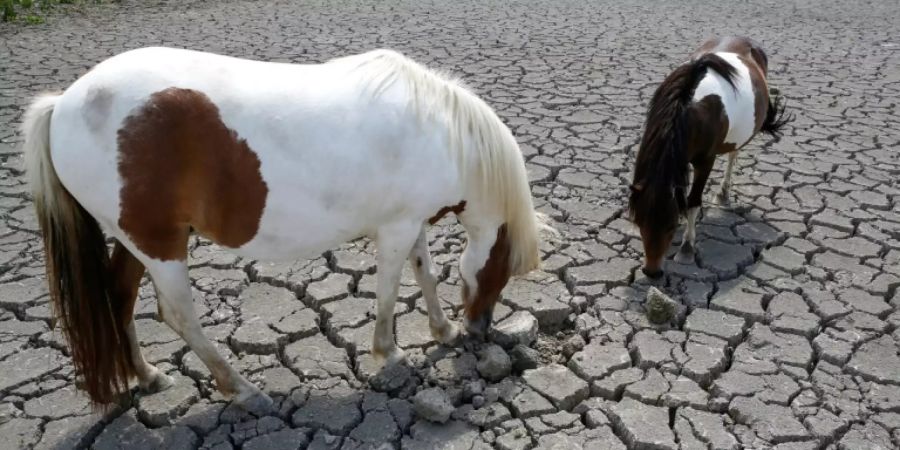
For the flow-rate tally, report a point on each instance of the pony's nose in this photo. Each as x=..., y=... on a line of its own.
x=652, y=273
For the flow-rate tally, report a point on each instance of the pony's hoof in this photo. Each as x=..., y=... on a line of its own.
x=394, y=355
x=722, y=198
x=448, y=334
x=255, y=402
x=157, y=383
x=685, y=255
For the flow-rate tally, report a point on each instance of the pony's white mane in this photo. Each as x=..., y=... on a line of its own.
x=477, y=135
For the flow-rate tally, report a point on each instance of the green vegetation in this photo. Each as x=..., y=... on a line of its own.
x=35, y=11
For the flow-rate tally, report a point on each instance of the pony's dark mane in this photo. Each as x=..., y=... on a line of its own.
x=662, y=158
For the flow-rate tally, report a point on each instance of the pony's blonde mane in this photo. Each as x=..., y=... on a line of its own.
x=478, y=137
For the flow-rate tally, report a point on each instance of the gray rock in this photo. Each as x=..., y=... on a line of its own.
x=69, y=432
x=660, y=308
x=642, y=426
x=433, y=405
x=58, y=404
x=378, y=427
x=598, y=360
x=517, y=439
x=383, y=377
x=558, y=384
x=21, y=432
x=336, y=411
x=771, y=422
x=599, y=438
x=740, y=303
x=868, y=436
x=127, y=433
x=334, y=287
x=162, y=408
x=324, y=440
x=529, y=403
x=249, y=429
x=612, y=386
x=877, y=360
x=524, y=358
x=493, y=363
x=315, y=357
x=709, y=428
x=715, y=323
x=29, y=364
x=541, y=294
x=453, y=435
x=763, y=346
x=290, y=439
x=519, y=328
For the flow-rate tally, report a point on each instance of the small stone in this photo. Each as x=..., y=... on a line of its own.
x=433, y=405
x=715, y=323
x=472, y=389
x=529, y=403
x=478, y=401
x=572, y=345
x=524, y=358
x=336, y=410
x=598, y=360
x=519, y=328
x=161, y=408
x=517, y=439
x=642, y=426
x=660, y=308
x=559, y=384
x=493, y=363
x=491, y=395
x=378, y=427
x=284, y=439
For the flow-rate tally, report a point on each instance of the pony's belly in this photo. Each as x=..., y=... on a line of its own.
x=299, y=238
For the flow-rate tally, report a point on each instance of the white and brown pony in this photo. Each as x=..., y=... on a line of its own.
x=711, y=105
x=275, y=162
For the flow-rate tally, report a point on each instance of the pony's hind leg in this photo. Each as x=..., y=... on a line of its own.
x=726, y=182
x=442, y=329
x=126, y=275
x=394, y=243
x=173, y=288
x=686, y=253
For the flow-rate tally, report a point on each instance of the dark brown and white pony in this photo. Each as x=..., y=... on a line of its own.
x=712, y=105
x=276, y=162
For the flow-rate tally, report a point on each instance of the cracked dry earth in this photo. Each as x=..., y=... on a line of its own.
x=788, y=333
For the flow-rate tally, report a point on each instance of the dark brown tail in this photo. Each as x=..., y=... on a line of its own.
x=78, y=270
x=776, y=116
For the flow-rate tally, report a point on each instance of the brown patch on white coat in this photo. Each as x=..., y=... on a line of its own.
x=204, y=176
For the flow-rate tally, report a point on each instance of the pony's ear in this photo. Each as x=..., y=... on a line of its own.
x=636, y=188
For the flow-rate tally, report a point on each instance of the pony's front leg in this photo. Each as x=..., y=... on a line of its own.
x=173, y=289
x=442, y=329
x=393, y=244
x=686, y=253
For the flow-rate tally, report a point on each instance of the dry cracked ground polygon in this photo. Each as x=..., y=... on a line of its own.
x=789, y=333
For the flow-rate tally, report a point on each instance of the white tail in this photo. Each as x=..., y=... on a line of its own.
x=41, y=175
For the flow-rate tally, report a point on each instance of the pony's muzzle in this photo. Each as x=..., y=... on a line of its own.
x=652, y=273
x=479, y=326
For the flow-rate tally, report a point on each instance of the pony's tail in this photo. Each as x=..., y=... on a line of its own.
x=78, y=269
x=776, y=116
x=665, y=135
